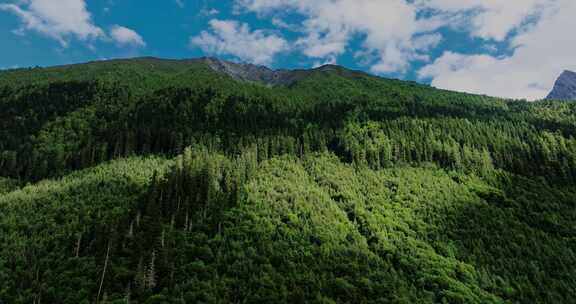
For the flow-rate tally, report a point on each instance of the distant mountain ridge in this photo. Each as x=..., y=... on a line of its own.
x=244, y=72
x=565, y=87
x=249, y=72
x=262, y=74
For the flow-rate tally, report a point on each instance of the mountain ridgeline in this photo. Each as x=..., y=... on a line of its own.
x=204, y=181
x=565, y=87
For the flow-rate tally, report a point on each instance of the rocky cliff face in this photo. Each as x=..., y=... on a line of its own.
x=270, y=77
x=250, y=72
x=565, y=87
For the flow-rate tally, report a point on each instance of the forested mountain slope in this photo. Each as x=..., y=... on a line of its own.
x=167, y=181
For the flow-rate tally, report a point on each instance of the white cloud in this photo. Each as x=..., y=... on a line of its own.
x=328, y=61
x=541, y=52
x=427, y=41
x=388, y=28
x=124, y=36
x=9, y=68
x=62, y=20
x=209, y=12
x=396, y=33
x=233, y=38
x=489, y=19
x=56, y=19
x=279, y=23
x=180, y=3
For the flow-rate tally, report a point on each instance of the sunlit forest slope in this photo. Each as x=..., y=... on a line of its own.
x=166, y=181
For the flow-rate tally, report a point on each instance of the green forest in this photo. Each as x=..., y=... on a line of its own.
x=163, y=181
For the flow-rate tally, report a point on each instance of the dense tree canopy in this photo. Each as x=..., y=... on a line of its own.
x=155, y=181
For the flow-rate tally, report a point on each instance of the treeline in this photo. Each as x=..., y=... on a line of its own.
x=53, y=128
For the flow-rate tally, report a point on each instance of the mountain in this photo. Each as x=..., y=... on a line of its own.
x=250, y=72
x=565, y=87
x=267, y=76
x=156, y=66
x=149, y=180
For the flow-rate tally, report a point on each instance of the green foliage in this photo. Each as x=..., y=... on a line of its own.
x=52, y=233
x=151, y=181
x=7, y=185
x=78, y=116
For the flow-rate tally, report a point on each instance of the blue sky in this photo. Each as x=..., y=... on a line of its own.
x=511, y=49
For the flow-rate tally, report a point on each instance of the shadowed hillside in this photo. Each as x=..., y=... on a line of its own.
x=203, y=181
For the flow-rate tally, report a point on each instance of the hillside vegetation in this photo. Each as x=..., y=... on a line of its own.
x=163, y=181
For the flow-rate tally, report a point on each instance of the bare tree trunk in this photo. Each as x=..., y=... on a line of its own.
x=151, y=277
x=103, y=272
x=39, y=294
x=131, y=229
x=186, y=222
x=128, y=294
x=78, y=243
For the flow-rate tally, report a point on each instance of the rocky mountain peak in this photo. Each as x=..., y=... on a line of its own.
x=250, y=72
x=565, y=87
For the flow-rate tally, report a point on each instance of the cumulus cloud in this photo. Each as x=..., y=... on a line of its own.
x=237, y=39
x=541, y=51
x=63, y=20
x=56, y=19
x=394, y=33
x=488, y=19
x=533, y=47
x=124, y=36
x=388, y=27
